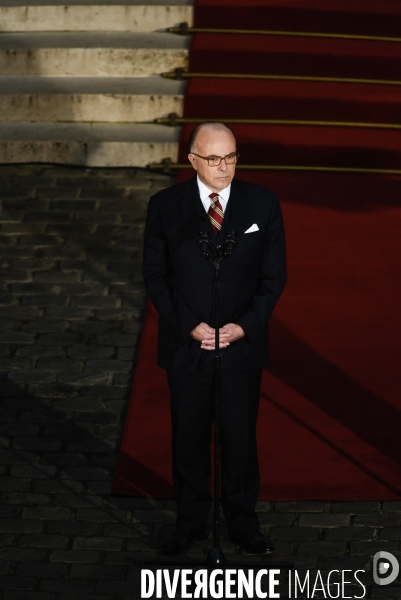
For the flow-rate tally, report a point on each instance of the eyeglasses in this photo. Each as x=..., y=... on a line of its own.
x=215, y=161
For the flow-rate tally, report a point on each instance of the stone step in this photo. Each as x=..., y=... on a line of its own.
x=93, y=16
x=89, y=99
x=91, y=54
x=97, y=145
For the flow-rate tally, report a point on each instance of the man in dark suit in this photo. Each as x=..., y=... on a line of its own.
x=179, y=283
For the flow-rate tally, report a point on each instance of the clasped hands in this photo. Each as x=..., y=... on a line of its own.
x=206, y=335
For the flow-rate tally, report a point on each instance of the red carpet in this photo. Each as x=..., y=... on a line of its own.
x=292, y=100
x=362, y=17
x=330, y=411
x=212, y=53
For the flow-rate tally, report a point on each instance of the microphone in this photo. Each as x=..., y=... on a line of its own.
x=204, y=241
x=230, y=241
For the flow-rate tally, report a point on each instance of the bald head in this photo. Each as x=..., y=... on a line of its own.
x=216, y=140
x=208, y=129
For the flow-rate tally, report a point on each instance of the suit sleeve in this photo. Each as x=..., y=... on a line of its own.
x=156, y=273
x=272, y=279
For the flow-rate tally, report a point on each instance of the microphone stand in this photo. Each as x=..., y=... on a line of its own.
x=215, y=557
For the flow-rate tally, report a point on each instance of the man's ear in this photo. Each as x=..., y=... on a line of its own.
x=191, y=159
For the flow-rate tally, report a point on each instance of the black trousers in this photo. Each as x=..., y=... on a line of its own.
x=192, y=413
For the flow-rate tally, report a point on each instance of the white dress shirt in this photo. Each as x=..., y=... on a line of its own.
x=206, y=201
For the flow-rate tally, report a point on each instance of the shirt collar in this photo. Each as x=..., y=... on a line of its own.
x=204, y=191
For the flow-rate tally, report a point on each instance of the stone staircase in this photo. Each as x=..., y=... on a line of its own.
x=80, y=83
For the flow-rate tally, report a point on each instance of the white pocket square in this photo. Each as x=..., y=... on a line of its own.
x=252, y=228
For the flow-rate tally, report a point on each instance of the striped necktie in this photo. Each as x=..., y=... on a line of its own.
x=215, y=212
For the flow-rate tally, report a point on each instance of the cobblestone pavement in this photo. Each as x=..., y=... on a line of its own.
x=71, y=307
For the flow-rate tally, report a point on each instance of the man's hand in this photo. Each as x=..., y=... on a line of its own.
x=231, y=332
x=206, y=335
x=227, y=334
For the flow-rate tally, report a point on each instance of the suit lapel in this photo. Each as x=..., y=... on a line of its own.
x=190, y=206
x=239, y=207
x=188, y=200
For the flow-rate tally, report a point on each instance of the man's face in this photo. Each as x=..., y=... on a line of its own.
x=212, y=142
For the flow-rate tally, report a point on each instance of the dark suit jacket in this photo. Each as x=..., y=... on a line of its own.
x=179, y=282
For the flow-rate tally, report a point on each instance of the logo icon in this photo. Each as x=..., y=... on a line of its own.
x=385, y=568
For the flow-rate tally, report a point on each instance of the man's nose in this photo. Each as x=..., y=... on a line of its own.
x=223, y=165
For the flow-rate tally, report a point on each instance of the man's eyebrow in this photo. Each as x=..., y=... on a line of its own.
x=217, y=156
